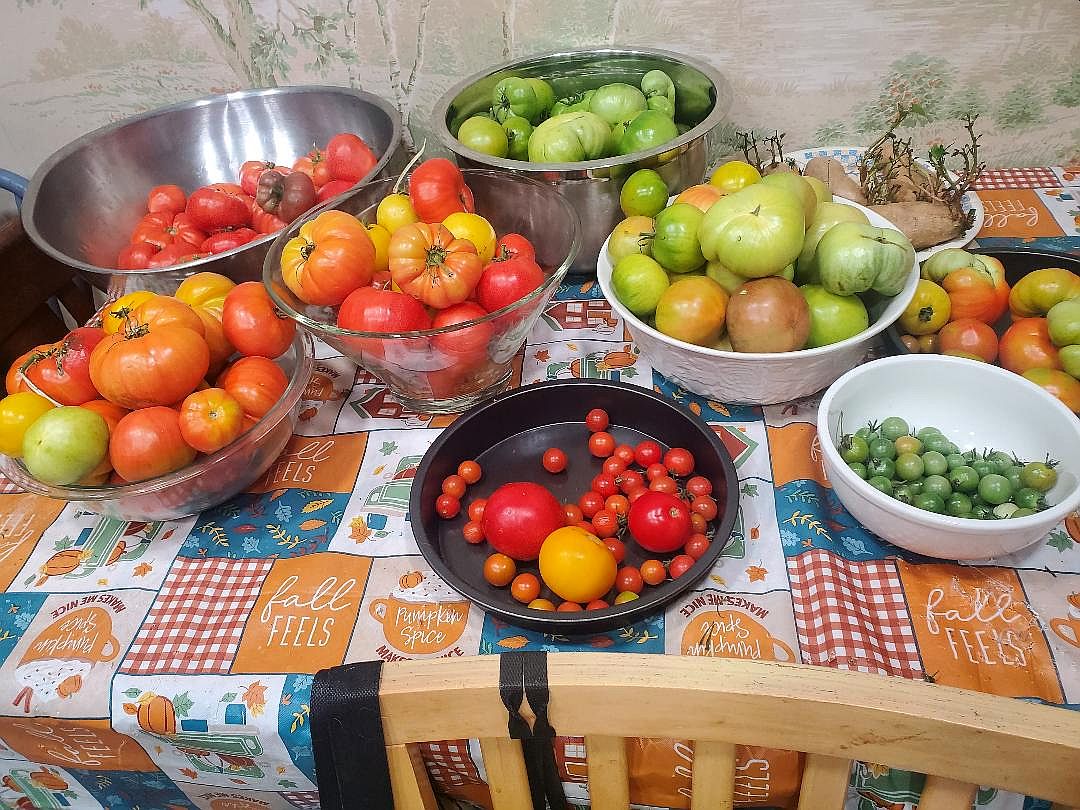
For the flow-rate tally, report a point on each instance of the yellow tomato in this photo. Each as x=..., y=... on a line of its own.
x=394, y=211
x=17, y=413
x=113, y=317
x=380, y=237
x=474, y=228
x=733, y=175
x=206, y=290
x=928, y=311
x=624, y=597
x=577, y=565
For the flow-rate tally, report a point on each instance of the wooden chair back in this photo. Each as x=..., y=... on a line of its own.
x=959, y=739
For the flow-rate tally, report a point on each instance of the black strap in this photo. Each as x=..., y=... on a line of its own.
x=347, y=738
x=524, y=674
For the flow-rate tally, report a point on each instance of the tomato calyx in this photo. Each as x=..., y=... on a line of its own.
x=436, y=255
x=926, y=314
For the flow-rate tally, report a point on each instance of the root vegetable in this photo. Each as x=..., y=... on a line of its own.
x=924, y=223
x=831, y=172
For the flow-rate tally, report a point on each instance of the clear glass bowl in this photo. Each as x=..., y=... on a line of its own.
x=208, y=482
x=417, y=366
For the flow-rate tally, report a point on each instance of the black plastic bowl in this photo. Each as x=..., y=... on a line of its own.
x=508, y=436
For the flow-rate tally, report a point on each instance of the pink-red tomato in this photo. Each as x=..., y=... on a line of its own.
x=513, y=244
x=437, y=189
x=167, y=198
x=373, y=310
x=256, y=383
x=679, y=565
x=349, y=158
x=218, y=206
x=696, y=546
x=332, y=189
x=506, y=282
x=468, y=345
x=147, y=443
x=253, y=324
x=590, y=503
x=136, y=256
x=596, y=420
x=679, y=461
x=648, y=452
x=969, y=336
x=519, y=516
x=63, y=372
x=660, y=522
x=1027, y=345
x=227, y=240
x=629, y=579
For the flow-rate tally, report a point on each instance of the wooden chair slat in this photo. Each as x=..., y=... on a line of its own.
x=1062, y=807
x=609, y=779
x=941, y=793
x=506, y=774
x=713, y=780
x=409, y=778
x=824, y=782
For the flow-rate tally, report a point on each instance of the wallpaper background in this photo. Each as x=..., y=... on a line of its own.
x=825, y=72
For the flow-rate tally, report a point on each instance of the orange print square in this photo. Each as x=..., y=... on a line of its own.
x=89, y=744
x=23, y=519
x=320, y=463
x=1016, y=212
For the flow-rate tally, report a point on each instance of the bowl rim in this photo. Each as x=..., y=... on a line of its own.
x=604, y=269
x=38, y=177
x=271, y=266
x=442, y=107
x=931, y=520
x=304, y=347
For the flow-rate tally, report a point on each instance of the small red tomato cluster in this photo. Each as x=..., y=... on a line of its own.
x=642, y=495
x=179, y=228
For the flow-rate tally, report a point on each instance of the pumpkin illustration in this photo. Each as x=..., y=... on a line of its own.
x=615, y=360
x=69, y=686
x=155, y=715
x=60, y=563
x=411, y=580
x=48, y=780
x=308, y=413
x=115, y=554
x=1072, y=526
x=10, y=784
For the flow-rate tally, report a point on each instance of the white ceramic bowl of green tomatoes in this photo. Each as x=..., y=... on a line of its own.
x=976, y=406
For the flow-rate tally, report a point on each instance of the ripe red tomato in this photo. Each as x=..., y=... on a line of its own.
x=664, y=483
x=573, y=514
x=263, y=221
x=162, y=229
x=679, y=565
x=437, y=190
x=648, y=453
x=698, y=524
x=499, y=570
x=604, y=483
x=525, y=588
x=513, y=244
x=176, y=253
x=252, y=323
x=660, y=522
x=969, y=336
x=447, y=506
x=473, y=532
x=349, y=158
x=597, y=604
x=506, y=282
x=605, y=524
x=454, y=485
x=630, y=481
x=613, y=544
x=147, y=443
x=619, y=504
x=429, y=263
x=476, y=509
x=332, y=189
x=554, y=460
x=519, y=516
x=149, y=365
x=227, y=240
x=369, y=309
x=704, y=506
x=568, y=607
x=251, y=171
x=470, y=471
x=14, y=380
x=468, y=345
x=167, y=198
x=211, y=419
x=696, y=546
x=654, y=471
x=314, y=165
x=597, y=419
x=1058, y=384
x=625, y=454
x=601, y=444
x=256, y=383
x=591, y=503
x=218, y=206
x=1027, y=345
x=679, y=461
x=699, y=485
x=63, y=371
x=613, y=465
x=653, y=572
x=136, y=256
x=629, y=579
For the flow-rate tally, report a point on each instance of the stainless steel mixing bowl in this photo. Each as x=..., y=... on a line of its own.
x=702, y=98
x=82, y=202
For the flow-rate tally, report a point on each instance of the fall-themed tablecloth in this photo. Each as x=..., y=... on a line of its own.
x=169, y=665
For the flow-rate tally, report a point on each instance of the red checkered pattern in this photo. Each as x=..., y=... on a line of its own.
x=8, y=487
x=1037, y=177
x=449, y=764
x=305, y=800
x=851, y=615
x=194, y=626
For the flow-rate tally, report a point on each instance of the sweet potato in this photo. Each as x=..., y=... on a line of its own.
x=831, y=172
x=924, y=223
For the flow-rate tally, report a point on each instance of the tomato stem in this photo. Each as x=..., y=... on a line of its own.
x=435, y=256
x=408, y=166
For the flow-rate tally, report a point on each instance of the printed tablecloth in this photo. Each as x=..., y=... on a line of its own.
x=169, y=665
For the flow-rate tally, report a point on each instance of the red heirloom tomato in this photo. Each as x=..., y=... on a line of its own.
x=513, y=244
x=255, y=383
x=332, y=189
x=163, y=229
x=227, y=240
x=252, y=170
x=176, y=253
x=1027, y=345
x=252, y=324
x=469, y=344
x=370, y=309
x=660, y=522
x=164, y=310
x=217, y=206
x=430, y=264
x=506, y=282
x=314, y=165
x=136, y=256
x=147, y=443
x=1058, y=383
x=330, y=257
x=349, y=158
x=969, y=336
x=14, y=381
x=437, y=190
x=143, y=365
x=63, y=372
x=519, y=516
x=263, y=221
x=168, y=198
x=211, y=419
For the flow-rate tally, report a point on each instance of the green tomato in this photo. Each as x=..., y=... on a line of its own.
x=882, y=448
x=692, y=310
x=821, y=189
x=788, y=273
x=983, y=468
x=545, y=96
x=825, y=216
x=909, y=467
x=725, y=278
x=926, y=432
x=955, y=460
x=1063, y=322
x=661, y=105
x=569, y=138
x=980, y=511
x=908, y=444
x=755, y=232
x=639, y=282
x=859, y=469
x=882, y=466
x=833, y=317
x=643, y=194
x=893, y=427
x=574, y=103
x=484, y=135
x=647, y=130
x=518, y=131
x=675, y=244
x=902, y=493
x=656, y=83
x=1022, y=512
x=935, y=463
x=929, y=503
x=945, y=261
x=516, y=96
x=881, y=484
x=1028, y=498
x=938, y=444
x=854, y=258
x=854, y=448
x=632, y=235
x=797, y=185
x=964, y=479
x=995, y=489
x=1039, y=476
x=1002, y=461
x=937, y=485
x=1005, y=510
x=617, y=102
x=1014, y=474
x=958, y=505
x=1070, y=360
x=864, y=431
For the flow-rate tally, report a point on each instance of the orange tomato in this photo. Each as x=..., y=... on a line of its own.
x=1058, y=383
x=114, y=315
x=149, y=365
x=969, y=336
x=576, y=565
x=429, y=263
x=14, y=381
x=206, y=291
x=1027, y=345
x=220, y=348
x=701, y=196
x=211, y=419
x=332, y=256
x=147, y=443
x=256, y=383
x=164, y=310
x=252, y=323
x=973, y=295
x=112, y=414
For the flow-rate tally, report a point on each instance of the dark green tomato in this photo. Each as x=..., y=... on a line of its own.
x=902, y=493
x=955, y=460
x=914, y=487
x=859, y=469
x=1022, y=513
x=982, y=467
x=980, y=511
x=1028, y=498
x=958, y=505
x=518, y=130
x=1001, y=461
x=964, y=479
x=882, y=448
x=893, y=428
x=881, y=484
x=884, y=467
x=1014, y=476
x=1039, y=475
x=937, y=485
x=929, y=503
x=935, y=463
x=908, y=444
x=926, y=432
x=939, y=444
x=854, y=449
x=864, y=432
x=909, y=467
x=995, y=489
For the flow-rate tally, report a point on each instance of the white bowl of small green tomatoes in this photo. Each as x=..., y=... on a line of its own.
x=949, y=457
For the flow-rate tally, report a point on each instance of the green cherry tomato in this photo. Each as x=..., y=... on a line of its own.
x=516, y=96
x=859, y=469
x=1015, y=477
x=1039, y=475
x=915, y=488
x=926, y=432
x=484, y=135
x=894, y=427
x=1022, y=512
x=995, y=489
x=882, y=448
x=955, y=460
x=909, y=467
x=518, y=131
x=938, y=444
x=884, y=467
x=937, y=485
x=881, y=484
x=982, y=467
x=929, y=503
x=935, y=463
x=964, y=479
x=902, y=493
x=643, y=194
x=854, y=448
x=1001, y=461
x=958, y=505
x=864, y=432
x=1028, y=498
x=908, y=444
x=980, y=511
x=1005, y=510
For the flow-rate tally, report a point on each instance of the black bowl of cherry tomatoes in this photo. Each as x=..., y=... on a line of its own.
x=575, y=506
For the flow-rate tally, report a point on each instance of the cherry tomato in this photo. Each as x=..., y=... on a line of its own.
x=648, y=452
x=704, y=506
x=473, y=532
x=698, y=523
x=659, y=522
x=499, y=570
x=476, y=509
x=679, y=461
x=573, y=513
x=657, y=470
x=554, y=460
x=653, y=572
x=568, y=607
x=631, y=480
x=613, y=465
x=680, y=565
x=617, y=504
x=699, y=485
x=597, y=604
x=591, y=503
x=629, y=579
x=624, y=597
x=635, y=494
x=586, y=525
x=525, y=588
x=601, y=444
x=665, y=484
x=447, y=506
x=605, y=524
x=597, y=420
x=470, y=471
x=625, y=453
x=542, y=604
x=454, y=485
x=696, y=546
x=617, y=549
x=605, y=484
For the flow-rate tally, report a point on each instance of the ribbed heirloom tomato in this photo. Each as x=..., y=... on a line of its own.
x=252, y=323
x=217, y=206
x=63, y=371
x=147, y=443
x=206, y=291
x=254, y=382
x=117, y=313
x=432, y=265
x=146, y=365
x=973, y=295
x=332, y=256
x=164, y=310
